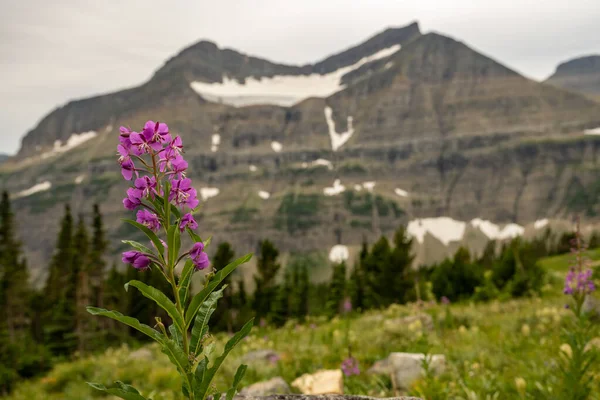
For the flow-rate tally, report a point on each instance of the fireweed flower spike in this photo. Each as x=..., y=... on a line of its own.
x=350, y=366
x=160, y=192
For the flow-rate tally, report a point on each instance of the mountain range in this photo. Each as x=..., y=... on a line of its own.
x=405, y=128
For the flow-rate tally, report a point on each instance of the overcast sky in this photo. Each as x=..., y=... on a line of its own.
x=52, y=51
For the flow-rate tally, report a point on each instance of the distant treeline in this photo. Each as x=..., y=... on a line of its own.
x=37, y=328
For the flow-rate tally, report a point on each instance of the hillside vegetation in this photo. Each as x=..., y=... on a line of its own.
x=488, y=347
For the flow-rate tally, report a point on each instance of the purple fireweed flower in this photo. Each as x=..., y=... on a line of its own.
x=199, y=257
x=273, y=358
x=133, y=200
x=179, y=165
x=445, y=300
x=137, y=259
x=175, y=145
x=578, y=280
x=350, y=366
x=183, y=194
x=188, y=221
x=347, y=305
x=146, y=186
x=127, y=167
x=157, y=132
x=166, y=159
x=148, y=219
x=262, y=323
x=144, y=141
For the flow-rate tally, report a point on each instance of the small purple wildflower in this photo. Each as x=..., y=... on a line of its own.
x=350, y=366
x=578, y=281
x=146, y=186
x=132, y=201
x=347, y=305
x=188, y=221
x=445, y=301
x=262, y=323
x=157, y=131
x=148, y=219
x=273, y=358
x=137, y=259
x=199, y=257
x=179, y=165
x=145, y=141
x=183, y=194
x=127, y=167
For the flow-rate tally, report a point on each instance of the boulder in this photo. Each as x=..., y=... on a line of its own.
x=591, y=305
x=264, y=355
x=406, y=368
x=273, y=386
x=321, y=382
x=142, y=354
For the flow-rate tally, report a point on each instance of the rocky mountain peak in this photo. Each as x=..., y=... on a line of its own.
x=580, y=74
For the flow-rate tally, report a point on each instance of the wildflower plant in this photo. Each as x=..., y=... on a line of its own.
x=165, y=202
x=576, y=360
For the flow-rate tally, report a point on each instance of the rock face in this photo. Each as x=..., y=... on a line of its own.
x=436, y=128
x=318, y=397
x=579, y=75
x=321, y=382
x=273, y=386
x=406, y=368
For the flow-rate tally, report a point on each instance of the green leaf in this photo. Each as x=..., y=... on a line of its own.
x=175, y=211
x=184, y=281
x=161, y=300
x=138, y=246
x=129, y=321
x=199, y=376
x=151, y=235
x=200, y=297
x=201, y=325
x=207, y=242
x=217, y=396
x=194, y=236
x=173, y=243
x=241, y=371
x=177, y=357
x=210, y=374
x=127, y=393
x=166, y=204
x=176, y=336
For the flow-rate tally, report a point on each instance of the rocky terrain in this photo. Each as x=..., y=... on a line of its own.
x=401, y=127
x=579, y=75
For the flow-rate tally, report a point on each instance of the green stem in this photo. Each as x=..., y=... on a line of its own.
x=186, y=346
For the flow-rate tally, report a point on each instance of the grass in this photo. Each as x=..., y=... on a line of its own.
x=487, y=346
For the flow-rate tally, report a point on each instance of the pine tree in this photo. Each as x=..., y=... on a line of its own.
x=357, y=285
x=267, y=267
x=281, y=304
x=303, y=292
x=98, y=249
x=115, y=299
x=373, y=268
x=59, y=325
x=337, y=289
x=222, y=318
x=81, y=277
x=397, y=279
x=14, y=285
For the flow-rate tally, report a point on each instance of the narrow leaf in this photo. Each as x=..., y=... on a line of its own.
x=173, y=249
x=122, y=393
x=176, y=336
x=200, y=328
x=241, y=371
x=199, y=375
x=138, y=246
x=200, y=297
x=177, y=356
x=161, y=300
x=175, y=211
x=210, y=374
x=129, y=321
x=151, y=235
x=184, y=281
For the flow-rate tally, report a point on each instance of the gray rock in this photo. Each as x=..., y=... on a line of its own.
x=321, y=382
x=406, y=368
x=318, y=397
x=591, y=305
x=275, y=385
x=141, y=354
x=264, y=355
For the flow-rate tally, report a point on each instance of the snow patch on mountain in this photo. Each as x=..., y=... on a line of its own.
x=494, y=232
x=445, y=229
x=79, y=179
x=39, y=187
x=358, y=187
x=276, y=146
x=216, y=141
x=207, y=192
x=540, y=223
x=321, y=162
x=339, y=253
x=252, y=168
x=369, y=186
x=283, y=90
x=334, y=190
x=400, y=192
x=337, y=139
x=74, y=140
x=595, y=131
x=264, y=194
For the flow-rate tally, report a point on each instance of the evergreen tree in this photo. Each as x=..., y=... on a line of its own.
x=97, y=264
x=337, y=289
x=456, y=278
x=357, y=284
x=281, y=304
x=81, y=277
x=488, y=256
x=222, y=318
x=373, y=268
x=594, y=241
x=115, y=299
x=267, y=267
x=14, y=285
x=59, y=325
x=397, y=277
